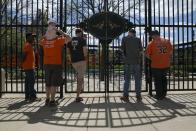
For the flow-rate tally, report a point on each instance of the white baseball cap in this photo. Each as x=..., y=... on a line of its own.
x=51, y=20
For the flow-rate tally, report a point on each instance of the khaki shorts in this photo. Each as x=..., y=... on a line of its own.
x=80, y=68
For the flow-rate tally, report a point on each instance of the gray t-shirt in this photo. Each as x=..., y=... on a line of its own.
x=132, y=47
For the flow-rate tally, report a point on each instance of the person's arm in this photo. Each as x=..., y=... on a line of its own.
x=24, y=56
x=68, y=38
x=148, y=51
x=85, y=50
x=41, y=40
x=25, y=52
x=123, y=49
x=68, y=51
x=141, y=53
x=141, y=48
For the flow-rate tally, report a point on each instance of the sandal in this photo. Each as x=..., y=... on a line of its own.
x=47, y=102
x=53, y=103
x=79, y=99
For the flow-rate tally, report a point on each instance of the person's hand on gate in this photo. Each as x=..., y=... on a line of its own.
x=68, y=38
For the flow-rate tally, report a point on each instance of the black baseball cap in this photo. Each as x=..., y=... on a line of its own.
x=132, y=31
x=78, y=30
x=154, y=32
x=30, y=34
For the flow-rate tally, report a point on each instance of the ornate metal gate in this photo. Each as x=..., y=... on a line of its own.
x=175, y=19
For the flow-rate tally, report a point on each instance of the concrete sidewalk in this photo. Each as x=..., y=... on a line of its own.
x=95, y=113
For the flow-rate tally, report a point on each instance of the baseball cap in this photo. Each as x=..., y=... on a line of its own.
x=78, y=30
x=51, y=20
x=155, y=32
x=132, y=31
x=30, y=34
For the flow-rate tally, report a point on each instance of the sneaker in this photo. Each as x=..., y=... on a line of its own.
x=34, y=99
x=158, y=97
x=53, y=103
x=161, y=98
x=47, y=102
x=27, y=99
x=125, y=98
x=79, y=99
x=139, y=98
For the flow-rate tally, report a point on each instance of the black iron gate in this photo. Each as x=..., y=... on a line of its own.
x=175, y=19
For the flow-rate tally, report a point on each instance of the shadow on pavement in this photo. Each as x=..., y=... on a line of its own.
x=17, y=105
x=43, y=114
x=101, y=112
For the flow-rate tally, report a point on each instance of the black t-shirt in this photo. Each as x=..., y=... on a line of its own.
x=76, y=49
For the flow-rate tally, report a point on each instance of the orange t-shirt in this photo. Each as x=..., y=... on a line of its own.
x=159, y=51
x=29, y=62
x=52, y=50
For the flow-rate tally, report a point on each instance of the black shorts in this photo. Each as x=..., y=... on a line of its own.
x=53, y=75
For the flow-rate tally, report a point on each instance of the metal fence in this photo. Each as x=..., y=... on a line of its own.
x=175, y=19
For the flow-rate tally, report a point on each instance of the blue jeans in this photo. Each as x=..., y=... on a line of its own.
x=29, y=84
x=134, y=70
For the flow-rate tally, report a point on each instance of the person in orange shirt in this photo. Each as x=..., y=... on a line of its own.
x=28, y=65
x=52, y=45
x=159, y=51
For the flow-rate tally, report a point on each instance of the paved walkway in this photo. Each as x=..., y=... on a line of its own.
x=95, y=113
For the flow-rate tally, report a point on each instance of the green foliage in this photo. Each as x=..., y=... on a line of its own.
x=11, y=39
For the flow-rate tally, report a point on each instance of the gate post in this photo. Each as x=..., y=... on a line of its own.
x=61, y=26
x=105, y=65
x=148, y=63
x=106, y=51
x=2, y=86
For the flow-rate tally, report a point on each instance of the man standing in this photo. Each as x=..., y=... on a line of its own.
x=159, y=51
x=78, y=51
x=132, y=51
x=52, y=45
x=28, y=65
